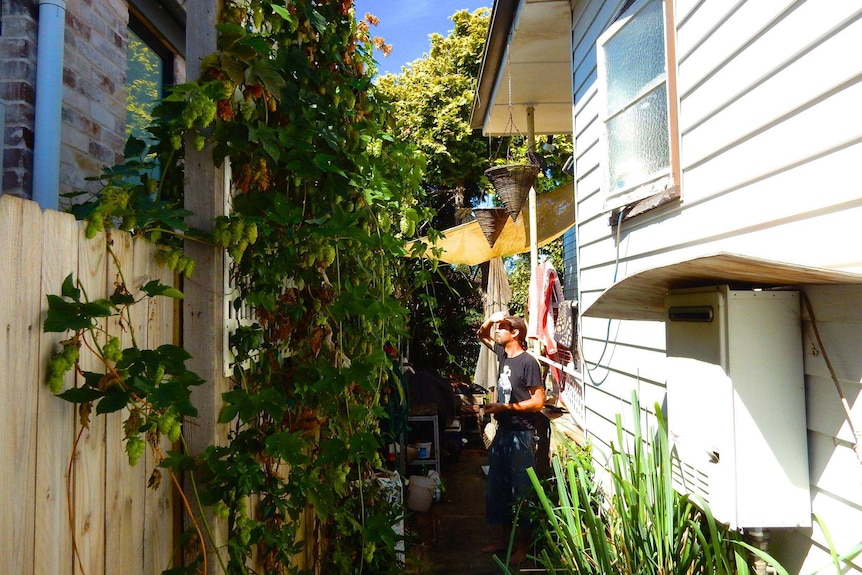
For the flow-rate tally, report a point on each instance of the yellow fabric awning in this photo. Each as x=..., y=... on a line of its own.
x=466, y=244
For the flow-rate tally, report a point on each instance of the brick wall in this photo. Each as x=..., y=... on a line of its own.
x=94, y=98
x=94, y=107
x=17, y=92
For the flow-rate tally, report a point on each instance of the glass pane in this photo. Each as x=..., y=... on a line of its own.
x=638, y=142
x=635, y=56
x=145, y=70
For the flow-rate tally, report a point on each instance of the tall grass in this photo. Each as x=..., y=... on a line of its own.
x=639, y=524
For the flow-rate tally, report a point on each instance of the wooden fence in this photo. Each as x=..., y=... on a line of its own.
x=52, y=501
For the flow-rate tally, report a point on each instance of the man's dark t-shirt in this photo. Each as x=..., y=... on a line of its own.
x=517, y=375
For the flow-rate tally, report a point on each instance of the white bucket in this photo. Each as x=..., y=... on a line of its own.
x=424, y=449
x=421, y=492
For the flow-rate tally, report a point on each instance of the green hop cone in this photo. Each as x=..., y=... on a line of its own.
x=190, y=268
x=327, y=255
x=251, y=232
x=166, y=422
x=135, y=446
x=237, y=232
x=111, y=350
x=175, y=431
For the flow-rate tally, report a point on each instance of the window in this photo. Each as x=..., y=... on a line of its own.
x=639, y=121
x=149, y=67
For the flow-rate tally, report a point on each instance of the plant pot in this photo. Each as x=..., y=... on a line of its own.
x=491, y=221
x=512, y=182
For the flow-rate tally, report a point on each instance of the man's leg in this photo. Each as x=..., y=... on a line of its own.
x=498, y=493
x=523, y=457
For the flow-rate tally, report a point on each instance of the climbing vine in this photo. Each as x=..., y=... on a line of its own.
x=324, y=204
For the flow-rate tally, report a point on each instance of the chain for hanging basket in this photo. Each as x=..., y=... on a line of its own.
x=491, y=221
x=512, y=182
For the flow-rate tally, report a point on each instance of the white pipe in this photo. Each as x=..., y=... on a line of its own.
x=532, y=202
x=49, y=101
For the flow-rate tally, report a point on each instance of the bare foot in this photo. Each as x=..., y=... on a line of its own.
x=518, y=555
x=494, y=548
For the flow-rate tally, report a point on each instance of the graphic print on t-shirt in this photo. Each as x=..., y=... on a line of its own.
x=504, y=385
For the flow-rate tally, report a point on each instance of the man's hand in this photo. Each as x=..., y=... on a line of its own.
x=493, y=408
x=497, y=316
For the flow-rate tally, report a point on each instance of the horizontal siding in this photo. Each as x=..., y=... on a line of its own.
x=641, y=362
x=824, y=410
x=771, y=151
x=806, y=29
x=805, y=214
x=786, y=105
x=719, y=30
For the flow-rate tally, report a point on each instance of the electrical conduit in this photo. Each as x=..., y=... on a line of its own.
x=49, y=100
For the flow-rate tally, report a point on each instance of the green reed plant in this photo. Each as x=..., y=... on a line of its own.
x=639, y=523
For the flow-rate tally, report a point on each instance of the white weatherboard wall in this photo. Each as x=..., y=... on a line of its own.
x=771, y=160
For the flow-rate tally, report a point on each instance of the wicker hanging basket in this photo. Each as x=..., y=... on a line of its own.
x=512, y=182
x=491, y=220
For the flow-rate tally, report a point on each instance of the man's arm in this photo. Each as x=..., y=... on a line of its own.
x=535, y=402
x=484, y=332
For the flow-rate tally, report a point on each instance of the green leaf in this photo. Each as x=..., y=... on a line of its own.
x=172, y=357
x=286, y=445
x=282, y=11
x=178, y=461
x=97, y=308
x=318, y=21
x=121, y=297
x=64, y=316
x=154, y=287
x=114, y=400
x=81, y=394
x=69, y=290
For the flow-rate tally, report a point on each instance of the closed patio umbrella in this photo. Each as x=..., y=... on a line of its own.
x=497, y=296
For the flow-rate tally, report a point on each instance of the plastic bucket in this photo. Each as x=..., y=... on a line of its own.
x=424, y=448
x=420, y=492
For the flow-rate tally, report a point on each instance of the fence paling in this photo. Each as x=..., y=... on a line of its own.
x=38, y=250
x=18, y=306
x=56, y=419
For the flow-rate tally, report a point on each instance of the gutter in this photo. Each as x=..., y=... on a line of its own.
x=503, y=19
x=49, y=103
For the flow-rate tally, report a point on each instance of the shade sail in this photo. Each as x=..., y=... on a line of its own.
x=466, y=244
x=640, y=296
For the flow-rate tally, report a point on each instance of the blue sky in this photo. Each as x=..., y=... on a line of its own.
x=407, y=24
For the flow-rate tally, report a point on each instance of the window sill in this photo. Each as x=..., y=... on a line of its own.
x=644, y=206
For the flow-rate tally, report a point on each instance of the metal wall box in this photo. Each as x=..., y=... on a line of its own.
x=736, y=404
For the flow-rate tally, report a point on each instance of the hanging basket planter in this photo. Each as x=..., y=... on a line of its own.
x=512, y=182
x=491, y=221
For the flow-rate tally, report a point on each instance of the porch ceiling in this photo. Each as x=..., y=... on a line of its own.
x=641, y=296
x=529, y=41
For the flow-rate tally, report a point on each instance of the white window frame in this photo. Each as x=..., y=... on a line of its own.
x=661, y=183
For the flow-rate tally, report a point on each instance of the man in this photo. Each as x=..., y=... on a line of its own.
x=520, y=396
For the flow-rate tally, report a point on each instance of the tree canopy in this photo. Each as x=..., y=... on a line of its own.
x=432, y=99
